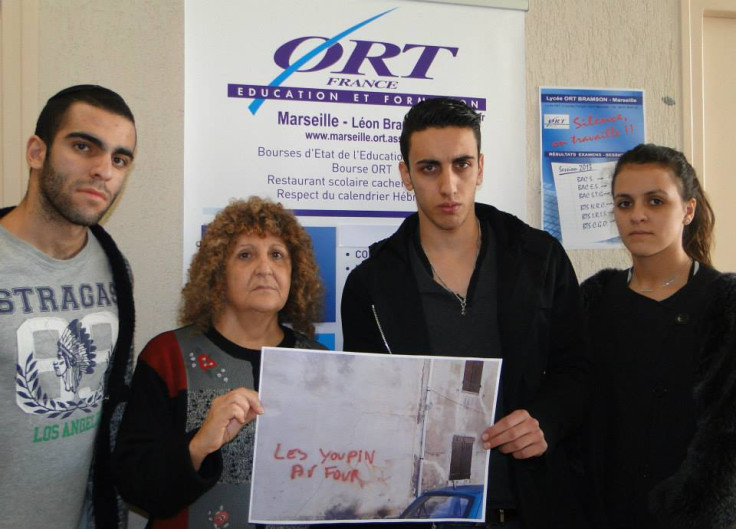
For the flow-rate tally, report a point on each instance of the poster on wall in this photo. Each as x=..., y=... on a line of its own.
x=583, y=133
x=371, y=437
x=303, y=102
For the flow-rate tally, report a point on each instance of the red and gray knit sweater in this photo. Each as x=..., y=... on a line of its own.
x=178, y=375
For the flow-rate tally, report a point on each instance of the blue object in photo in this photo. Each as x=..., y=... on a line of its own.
x=324, y=240
x=326, y=339
x=463, y=501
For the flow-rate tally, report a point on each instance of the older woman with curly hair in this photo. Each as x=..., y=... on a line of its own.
x=185, y=448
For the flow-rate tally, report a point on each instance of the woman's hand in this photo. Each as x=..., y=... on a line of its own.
x=226, y=417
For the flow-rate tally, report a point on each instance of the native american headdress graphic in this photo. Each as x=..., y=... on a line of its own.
x=75, y=355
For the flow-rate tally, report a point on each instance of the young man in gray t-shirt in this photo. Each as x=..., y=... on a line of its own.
x=66, y=316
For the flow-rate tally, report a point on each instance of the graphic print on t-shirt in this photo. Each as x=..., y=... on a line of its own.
x=61, y=365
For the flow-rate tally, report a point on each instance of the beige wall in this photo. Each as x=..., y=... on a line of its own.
x=137, y=48
x=603, y=43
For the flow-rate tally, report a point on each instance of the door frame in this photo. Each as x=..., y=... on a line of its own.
x=693, y=104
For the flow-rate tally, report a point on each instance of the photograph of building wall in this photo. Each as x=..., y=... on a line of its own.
x=350, y=436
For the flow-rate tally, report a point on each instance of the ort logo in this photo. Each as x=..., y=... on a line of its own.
x=376, y=53
x=388, y=61
x=556, y=121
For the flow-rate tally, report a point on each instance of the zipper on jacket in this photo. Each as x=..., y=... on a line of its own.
x=380, y=329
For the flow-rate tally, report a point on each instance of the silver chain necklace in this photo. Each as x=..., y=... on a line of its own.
x=667, y=283
x=463, y=300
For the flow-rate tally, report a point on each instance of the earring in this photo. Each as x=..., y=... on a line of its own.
x=688, y=220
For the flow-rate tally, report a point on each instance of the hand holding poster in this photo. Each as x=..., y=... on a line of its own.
x=359, y=437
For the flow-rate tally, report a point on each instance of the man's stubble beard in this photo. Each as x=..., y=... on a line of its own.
x=57, y=200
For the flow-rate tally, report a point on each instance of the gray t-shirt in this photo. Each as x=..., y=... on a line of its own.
x=58, y=325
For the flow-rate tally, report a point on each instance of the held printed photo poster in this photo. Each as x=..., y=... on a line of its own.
x=371, y=437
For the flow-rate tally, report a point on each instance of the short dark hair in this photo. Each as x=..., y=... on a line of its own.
x=52, y=115
x=439, y=112
x=698, y=235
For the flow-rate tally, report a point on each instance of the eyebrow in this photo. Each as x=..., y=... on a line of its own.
x=462, y=158
x=252, y=245
x=99, y=143
x=652, y=192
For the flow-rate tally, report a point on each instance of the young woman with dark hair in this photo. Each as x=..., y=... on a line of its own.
x=659, y=327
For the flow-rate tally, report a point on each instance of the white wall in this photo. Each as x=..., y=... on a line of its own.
x=452, y=411
x=388, y=393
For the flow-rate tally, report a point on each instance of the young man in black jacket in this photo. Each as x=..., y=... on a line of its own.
x=465, y=279
x=66, y=317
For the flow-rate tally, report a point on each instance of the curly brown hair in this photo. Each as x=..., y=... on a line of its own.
x=203, y=295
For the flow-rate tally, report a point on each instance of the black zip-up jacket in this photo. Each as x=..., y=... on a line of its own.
x=546, y=367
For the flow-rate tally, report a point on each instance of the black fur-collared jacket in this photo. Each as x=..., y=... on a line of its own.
x=702, y=492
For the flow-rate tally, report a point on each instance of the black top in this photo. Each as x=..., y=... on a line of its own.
x=474, y=334
x=450, y=332
x=648, y=361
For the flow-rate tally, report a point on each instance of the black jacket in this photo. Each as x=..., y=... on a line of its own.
x=109, y=511
x=701, y=494
x=545, y=367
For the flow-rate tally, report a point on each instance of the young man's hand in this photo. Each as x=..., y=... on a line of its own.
x=517, y=434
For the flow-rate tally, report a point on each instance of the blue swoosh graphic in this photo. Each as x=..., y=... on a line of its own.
x=283, y=76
